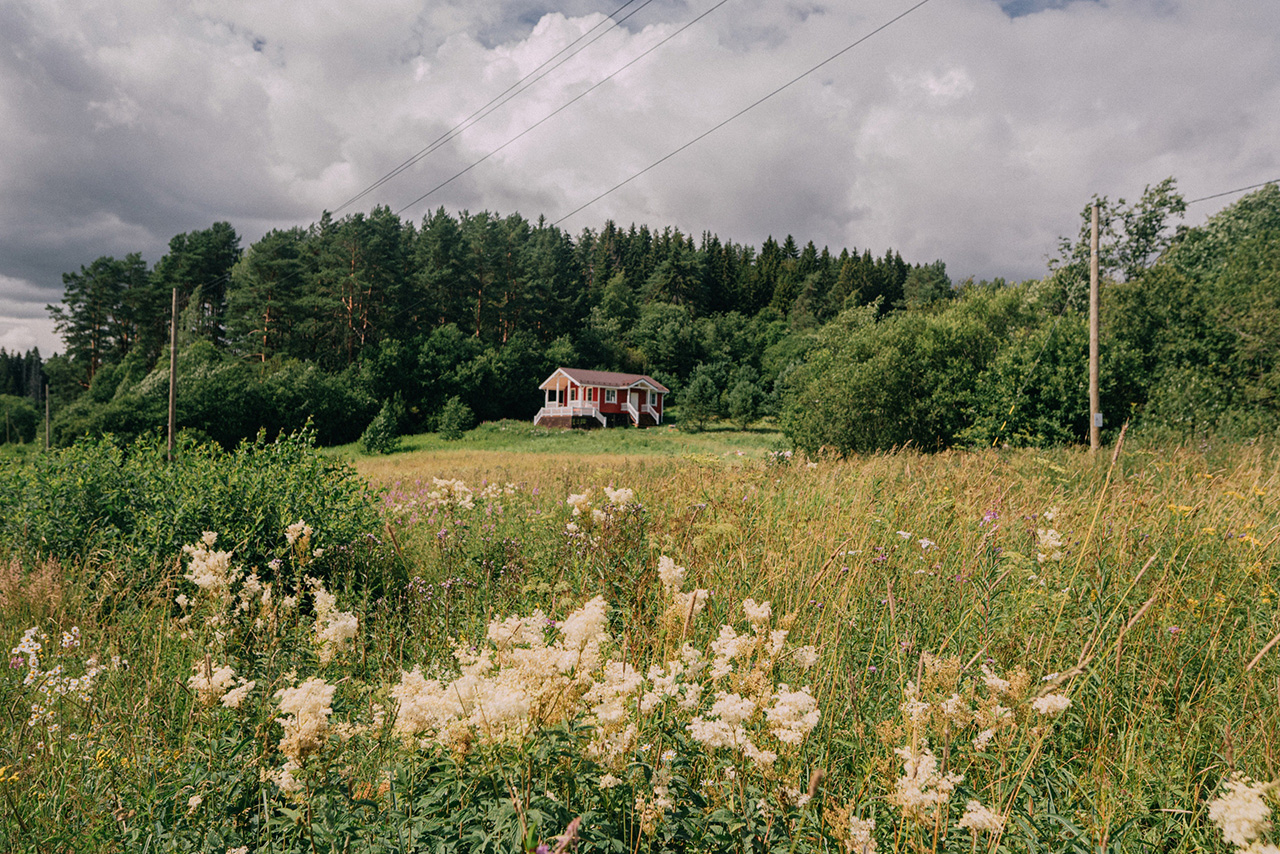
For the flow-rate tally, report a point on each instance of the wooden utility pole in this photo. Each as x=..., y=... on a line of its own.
x=173, y=367
x=1095, y=405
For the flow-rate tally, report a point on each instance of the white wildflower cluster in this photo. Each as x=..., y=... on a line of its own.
x=1051, y=705
x=984, y=710
x=446, y=494
x=210, y=571
x=587, y=513
x=222, y=590
x=55, y=683
x=530, y=673
x=219, y=685
x=298, y=535
x=451, y=492
x=1242, y=814
x=859, y=839
x=1050, y=543
x=306, y=710
x=980, y=819
x=493, y=491
x=923, y=786
x=682, y=605
x=334, y=629
x=518, y=683
x=757, y=709
x=229, y=600
x=947, y=701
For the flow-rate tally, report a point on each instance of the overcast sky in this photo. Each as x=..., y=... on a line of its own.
x=972, y=131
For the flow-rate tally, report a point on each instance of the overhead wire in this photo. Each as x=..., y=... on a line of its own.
x=744, y=110
x=1230, y=192
x=502, y=98
x=562, y=107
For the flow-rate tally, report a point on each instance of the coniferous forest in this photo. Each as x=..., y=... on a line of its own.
x=852, y=349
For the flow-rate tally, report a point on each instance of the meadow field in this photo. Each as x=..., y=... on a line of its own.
x=634, y=641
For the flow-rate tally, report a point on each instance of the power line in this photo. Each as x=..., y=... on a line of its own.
x=563, y=107
x=501, y=99
x=744, y=110
x=1230, y=192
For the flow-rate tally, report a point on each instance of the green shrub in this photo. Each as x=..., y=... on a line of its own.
x=455, y=419
x=102, y=496
x=382, y=436
x=20, y=418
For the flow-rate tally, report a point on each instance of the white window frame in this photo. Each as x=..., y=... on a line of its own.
x=611, y=395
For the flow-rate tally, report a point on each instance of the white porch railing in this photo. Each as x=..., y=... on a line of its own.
x=657, y=418
x=632, y=411
x=570, y=410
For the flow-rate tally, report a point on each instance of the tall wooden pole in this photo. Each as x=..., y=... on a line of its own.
x=173, y=367
x=1095, y=405
x=46, y=416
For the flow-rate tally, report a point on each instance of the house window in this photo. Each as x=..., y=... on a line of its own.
x=573, y=393
x=610, y=395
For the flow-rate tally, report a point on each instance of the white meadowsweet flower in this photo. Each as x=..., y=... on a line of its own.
x=211, y=683
x=236, y=696
x=299, y=530
x=1051, y=704
x=994, y=683
x=671, y=576
x=978, y=818
x=620, y=497
x=1051, y=542
x=1240, y=812
x=579, y=503
x=758, y=615
x=922, y=788
x=860, y=839
x=805, y=656
x=793, y=714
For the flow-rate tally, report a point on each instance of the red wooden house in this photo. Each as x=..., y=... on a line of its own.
x=578, y=398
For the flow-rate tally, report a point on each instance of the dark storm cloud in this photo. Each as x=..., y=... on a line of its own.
x=972, y=130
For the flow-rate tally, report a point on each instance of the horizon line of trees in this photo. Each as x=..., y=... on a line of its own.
x=389, y=314
x=373, y=322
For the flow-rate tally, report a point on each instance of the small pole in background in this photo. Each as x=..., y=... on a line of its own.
x=1095, y=405
x=173, y=367
x=46, y=416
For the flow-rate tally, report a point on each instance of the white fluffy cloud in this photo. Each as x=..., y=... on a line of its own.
x=971, y=130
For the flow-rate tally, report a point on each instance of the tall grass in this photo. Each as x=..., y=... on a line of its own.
x=1142, y=590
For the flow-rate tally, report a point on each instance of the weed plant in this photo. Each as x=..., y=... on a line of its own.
x=998, y=651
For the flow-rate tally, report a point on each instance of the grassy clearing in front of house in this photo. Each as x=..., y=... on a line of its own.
x=951, y=604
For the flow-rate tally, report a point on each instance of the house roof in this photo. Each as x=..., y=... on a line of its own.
x=604, y=379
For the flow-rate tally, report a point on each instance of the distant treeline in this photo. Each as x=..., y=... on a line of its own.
x=339, y=318
x=371, y=316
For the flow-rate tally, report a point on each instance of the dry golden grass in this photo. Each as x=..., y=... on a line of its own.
x=34, y=594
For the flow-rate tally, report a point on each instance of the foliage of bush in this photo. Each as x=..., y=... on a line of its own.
x=225, y=400
x=699, y=400
x=20, y=418
x=382, y=436
x=1189, y=347
x=455, y=419
x=907, y=379
x=102, y=496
